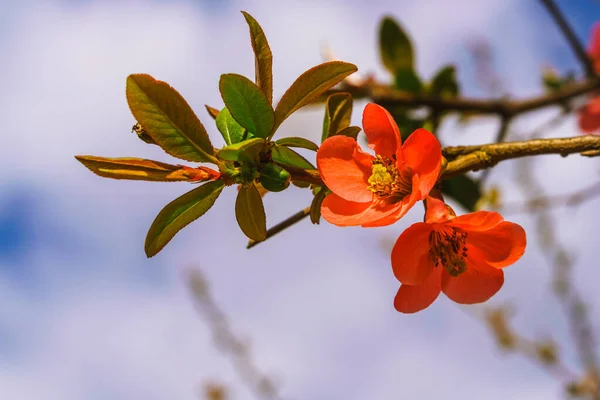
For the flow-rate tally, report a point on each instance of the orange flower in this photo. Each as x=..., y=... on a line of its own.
x=589, y=115
x=461, y=256
x=377, y=191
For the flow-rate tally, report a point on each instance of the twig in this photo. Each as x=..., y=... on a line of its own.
x=286, y=223
x=546, y=202
x=566, y=30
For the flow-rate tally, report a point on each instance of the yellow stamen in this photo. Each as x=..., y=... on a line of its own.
x=448, y=247
x=387, y=181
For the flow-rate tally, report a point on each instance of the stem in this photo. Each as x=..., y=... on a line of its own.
x=569, y=34
x=286, y=223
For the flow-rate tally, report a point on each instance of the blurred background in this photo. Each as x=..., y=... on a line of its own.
x=84, y=314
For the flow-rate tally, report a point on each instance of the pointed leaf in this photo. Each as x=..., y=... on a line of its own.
x=179, y=213
x=298, y=142
x=338, y=111
x=351, y=131
x=242, y=151
x=247, y=104
x=232, y=131
x=310, y=85
x=287, y=156
x=444, y=83
x=213, y=112
x=315, y=206
x=138, y=169
x=262, y=57
x=168, y=119
x=250, y=213
x=395, y=46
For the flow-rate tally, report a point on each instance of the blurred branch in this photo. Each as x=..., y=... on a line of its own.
x=261, y=385
x=569, y=34
x=546, y=202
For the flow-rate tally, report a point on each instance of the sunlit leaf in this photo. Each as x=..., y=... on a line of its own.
x=310, y=85
x=231, y=131
x=338, y=111
x=250, y=213
x=298, y=142
x=167, y=118
x=247, y=104
x=242, y=151
x=395, y=46
x=137, y=169
x=262, y=57
x=179, y=213
x=213, y=112
x=286, y=156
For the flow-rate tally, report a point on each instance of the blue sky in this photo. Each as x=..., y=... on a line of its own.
x=84, y=314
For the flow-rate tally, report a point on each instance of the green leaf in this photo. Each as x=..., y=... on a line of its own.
x=464, y=190
x=407, y=80
x=247, y=104
x=262, y=57
x=298, y=142
x=444, y=83
x=351, y=131
x=338, y=111
x=232, y=131
x=243, y=151
x=179, y=213
x=395, y=46
x=213, y=112
x=286, y=156
x=168, y=119
x=310, y=85
x=315, y=206
x=250, y=213
x=134, y=169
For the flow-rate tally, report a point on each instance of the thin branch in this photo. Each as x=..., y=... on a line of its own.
x=500, y=137
x=569, y=34
x=286, y=223
x=507, y=108
x=546, y=202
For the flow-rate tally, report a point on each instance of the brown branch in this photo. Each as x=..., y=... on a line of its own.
x=566, y=30
x=286, y=223
x=507, y=108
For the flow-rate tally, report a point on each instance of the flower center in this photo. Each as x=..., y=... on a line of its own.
x=387, y=181
x=448, y=247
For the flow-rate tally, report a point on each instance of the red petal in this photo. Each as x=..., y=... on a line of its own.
x=437, y=211
x=381, y=130
x=589, y=116
x=411, y=299
x=410, y=257
x=345, y=168
x=401, y=208
x=422, y=151
x=341, y=212
x=500, y=246
x=477, y=221
x=476, y=285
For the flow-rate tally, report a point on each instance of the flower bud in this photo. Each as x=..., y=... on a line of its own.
x=274, y=178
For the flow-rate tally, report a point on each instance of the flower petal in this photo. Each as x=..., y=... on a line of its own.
x=423, y=153
x=411, y=299
x=341, y=212
x=589, y=116
x=400, y=209
x=477, y=221
x=410, y=255
x=345, y=168
x=381, y=130
x=476, y=285
x=500, y=246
